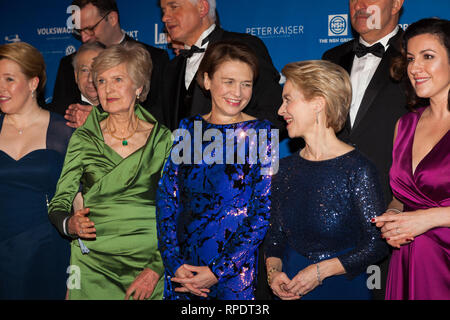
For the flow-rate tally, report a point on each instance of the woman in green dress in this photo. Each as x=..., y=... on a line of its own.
x=117, y=156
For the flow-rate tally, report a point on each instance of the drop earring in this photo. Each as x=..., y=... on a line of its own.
x=317, y=117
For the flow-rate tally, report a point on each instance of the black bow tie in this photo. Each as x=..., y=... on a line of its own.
x=361, y=50
x=189, y=53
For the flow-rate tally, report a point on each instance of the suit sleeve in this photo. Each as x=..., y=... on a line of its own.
x=153, y=104
x=66, y=90
x=267, y=90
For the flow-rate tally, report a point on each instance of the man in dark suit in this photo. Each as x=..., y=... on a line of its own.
x=378, y=101
x=88, y=97
x=192, y=22
x=100, y=22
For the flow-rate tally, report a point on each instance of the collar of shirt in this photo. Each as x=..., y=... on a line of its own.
x=84, y=99
x=202, y=37
x=123, y=37
x=194, y=62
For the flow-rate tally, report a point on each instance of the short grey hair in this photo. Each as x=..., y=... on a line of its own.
x=88, y=46
x=137, y=59
x=212, y=9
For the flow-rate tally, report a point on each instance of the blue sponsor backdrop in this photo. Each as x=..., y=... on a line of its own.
x=292, y=30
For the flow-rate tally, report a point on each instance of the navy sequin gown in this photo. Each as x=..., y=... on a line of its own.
x=322, y=210
x=33, y=256
x=212, y=214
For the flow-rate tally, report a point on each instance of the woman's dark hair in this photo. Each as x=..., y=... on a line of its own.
x=434, y=26
x=227, y=50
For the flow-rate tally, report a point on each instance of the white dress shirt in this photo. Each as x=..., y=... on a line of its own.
x=84, y=99
x=194, y=62
x=362, y=72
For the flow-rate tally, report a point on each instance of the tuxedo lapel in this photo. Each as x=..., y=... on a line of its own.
x=346, y=60
x=175, y=70
x=215, y=35
x=379, y=80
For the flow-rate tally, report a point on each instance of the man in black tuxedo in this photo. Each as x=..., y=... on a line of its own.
x=82, y=65
x=100, y=22
x=192, y=22
x=378, y=101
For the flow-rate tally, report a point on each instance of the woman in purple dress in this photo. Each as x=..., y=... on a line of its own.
x=417, y=220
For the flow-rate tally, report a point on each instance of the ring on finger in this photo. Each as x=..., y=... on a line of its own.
x=396, y=230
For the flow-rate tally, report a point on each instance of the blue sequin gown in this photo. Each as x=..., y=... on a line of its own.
x=215, y=214
x=322, y=210
x=33, y=256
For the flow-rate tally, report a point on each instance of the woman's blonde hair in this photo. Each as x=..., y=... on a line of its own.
x=135, y=56
x=319, y=78
x=29, y=59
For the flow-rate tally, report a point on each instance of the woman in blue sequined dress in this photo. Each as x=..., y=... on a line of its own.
x=321, y=239
x=213, y=199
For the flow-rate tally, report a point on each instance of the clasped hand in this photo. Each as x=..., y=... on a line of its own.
x=401, y=228
x=286, y=289
x=195, y=280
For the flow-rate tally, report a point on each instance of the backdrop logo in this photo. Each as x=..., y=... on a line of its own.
x=280, y=31
x=70, y=49
x=133, y=34
x=160, y=37
x=12, y=38
x=338, y=25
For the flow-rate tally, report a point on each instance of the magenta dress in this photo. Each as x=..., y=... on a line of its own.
x=421, y=269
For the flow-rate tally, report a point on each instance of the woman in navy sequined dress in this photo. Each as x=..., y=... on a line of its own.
x=213, y=199
x=321, y=240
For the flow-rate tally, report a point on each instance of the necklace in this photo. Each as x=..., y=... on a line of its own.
x=36, y=118
x=19, y=130
x=124, y=139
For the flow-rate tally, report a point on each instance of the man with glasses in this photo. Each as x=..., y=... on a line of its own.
x=99, y=22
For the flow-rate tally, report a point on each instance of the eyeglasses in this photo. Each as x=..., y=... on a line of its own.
x=89, y=30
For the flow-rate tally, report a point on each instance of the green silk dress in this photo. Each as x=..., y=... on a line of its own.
x=120, y=193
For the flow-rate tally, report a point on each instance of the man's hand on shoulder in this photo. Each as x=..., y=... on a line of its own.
x=76, y=115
